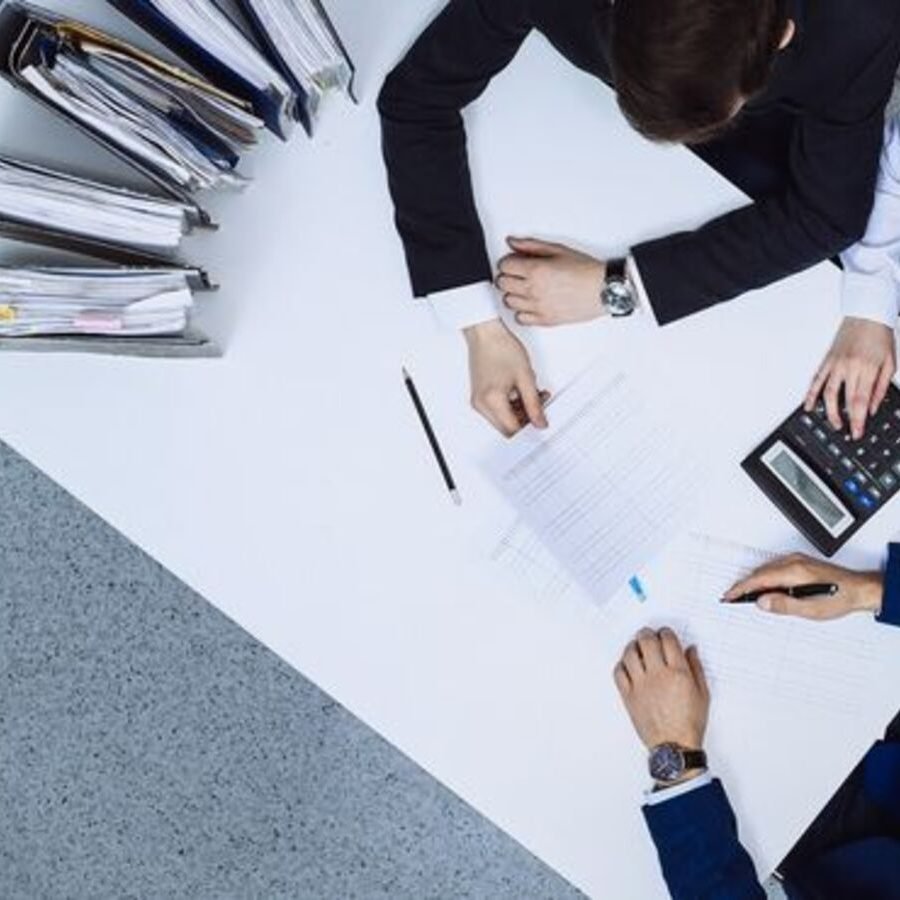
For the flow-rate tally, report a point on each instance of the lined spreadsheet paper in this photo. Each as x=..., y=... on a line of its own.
x=603, y=489
x=751, y=656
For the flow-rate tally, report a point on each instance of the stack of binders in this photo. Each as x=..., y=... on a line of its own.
x=305, y=59
x=184, y=129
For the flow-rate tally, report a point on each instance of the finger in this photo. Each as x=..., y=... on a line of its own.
x=860, y=393
x=515, y=266
x=633, y=662
x=531, y=401
x=497, y=408
x=529, y=318
x=519, y=303
x=832, y=398
x=622, y=679
x=693, y=660
x=673, y=655
x=545, y=397
x=784, y=572
x=651, y=649
x=512, y=284
x=533, y=247
x=882, y=384
x=782, y=605
x=812, y=395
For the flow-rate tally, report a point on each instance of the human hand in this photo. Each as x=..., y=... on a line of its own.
x=549, y=284
x=664, y=690
x=857, y=591
x=504, y=387
x=862, y=360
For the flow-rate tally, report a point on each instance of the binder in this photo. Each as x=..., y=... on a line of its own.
x=25, y=33
x=275, y=109
x=123, y=253
x=191, y=343
x=303, y=112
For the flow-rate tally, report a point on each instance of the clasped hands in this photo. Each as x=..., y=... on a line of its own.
x=544, y=284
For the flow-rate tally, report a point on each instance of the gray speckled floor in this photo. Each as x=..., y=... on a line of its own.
x=150, y=748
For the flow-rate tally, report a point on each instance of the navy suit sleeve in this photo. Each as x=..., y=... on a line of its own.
x=890, y=605
x=697, y=841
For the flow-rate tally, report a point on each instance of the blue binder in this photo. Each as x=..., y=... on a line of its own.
x=303, y=113
x=276, y=111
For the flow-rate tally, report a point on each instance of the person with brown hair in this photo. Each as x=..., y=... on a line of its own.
x=784, y=97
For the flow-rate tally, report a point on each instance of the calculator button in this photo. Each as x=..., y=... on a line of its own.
x=851, y=486
x=866, y=502
x=807, y=420
x=872, y=440
x=834, y=450
x=847, y=463
x=860, y=451
x=873, y=466
x=861, y=477
x=896, y=468
x=820, y=434
x=875, y=494
x=888, y=481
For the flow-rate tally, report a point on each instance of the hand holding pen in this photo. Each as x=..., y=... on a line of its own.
x=798, y=585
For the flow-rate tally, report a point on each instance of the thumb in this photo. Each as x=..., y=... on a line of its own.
x=531, y=246
x=531, y=400
x=781, y=605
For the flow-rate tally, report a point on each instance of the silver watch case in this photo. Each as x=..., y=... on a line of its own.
x=618, y=297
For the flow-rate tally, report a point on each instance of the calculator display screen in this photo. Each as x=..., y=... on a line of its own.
x=808, y=488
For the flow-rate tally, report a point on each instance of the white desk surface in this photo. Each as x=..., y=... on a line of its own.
x=290, y=484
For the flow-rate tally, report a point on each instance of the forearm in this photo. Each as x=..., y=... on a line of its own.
x=871, y=288
x=742, y=251
x=697, y=841
x=424, y=138
x=822, y=211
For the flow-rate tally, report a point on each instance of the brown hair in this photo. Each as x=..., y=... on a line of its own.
x=681, y=66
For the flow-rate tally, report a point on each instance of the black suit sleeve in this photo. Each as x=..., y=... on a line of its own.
x=424, y=139
x=823, y=210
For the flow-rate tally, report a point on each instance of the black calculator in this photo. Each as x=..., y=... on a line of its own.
x=826, y=483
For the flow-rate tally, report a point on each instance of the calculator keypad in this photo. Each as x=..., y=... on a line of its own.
x=864, y=473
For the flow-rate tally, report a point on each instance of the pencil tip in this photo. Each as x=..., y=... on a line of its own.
x=405, y=372
x=457, y=499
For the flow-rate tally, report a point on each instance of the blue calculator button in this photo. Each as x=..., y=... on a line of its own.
x=866, y=502
x=851, y=486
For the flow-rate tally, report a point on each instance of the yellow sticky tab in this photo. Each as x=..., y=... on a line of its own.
x=7, y=313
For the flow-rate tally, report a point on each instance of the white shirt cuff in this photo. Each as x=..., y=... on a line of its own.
x=463, y=307
x=871, y=295
x=652, y=798
x=634, y=275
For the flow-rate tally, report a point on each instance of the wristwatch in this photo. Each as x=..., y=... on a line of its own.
x=618, y=296
x=668, y=762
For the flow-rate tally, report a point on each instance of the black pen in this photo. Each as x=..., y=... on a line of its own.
x=432, y=438
x=800, y=592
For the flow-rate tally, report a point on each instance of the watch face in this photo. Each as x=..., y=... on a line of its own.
x=666, y=763
x=617, y=296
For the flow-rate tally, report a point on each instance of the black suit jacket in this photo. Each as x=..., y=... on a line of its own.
x=830, y=87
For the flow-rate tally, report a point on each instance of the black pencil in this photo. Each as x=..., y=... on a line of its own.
x=432, y=438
